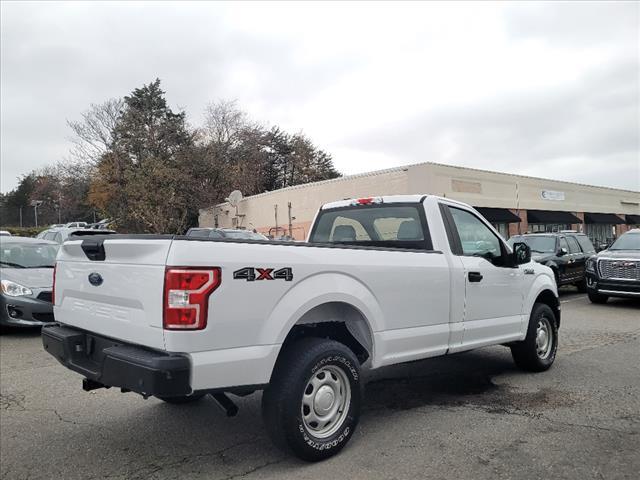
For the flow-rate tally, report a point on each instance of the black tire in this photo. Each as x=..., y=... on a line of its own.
x=582, y=286
x=597, y=298
x=302, y=363
x=181, y=400
x=526, y=353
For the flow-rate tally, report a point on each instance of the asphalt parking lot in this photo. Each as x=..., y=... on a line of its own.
x=471, y=415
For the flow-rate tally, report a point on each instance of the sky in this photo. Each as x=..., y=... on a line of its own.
x=546, y=89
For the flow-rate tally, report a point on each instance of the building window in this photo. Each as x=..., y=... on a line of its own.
x=502, y=228
x=601, y=233
x=548, y=227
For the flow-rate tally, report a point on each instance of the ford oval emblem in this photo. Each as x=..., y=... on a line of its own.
x=95, y=279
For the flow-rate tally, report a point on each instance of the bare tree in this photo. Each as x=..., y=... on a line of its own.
x=93, y=134
x=223, y=122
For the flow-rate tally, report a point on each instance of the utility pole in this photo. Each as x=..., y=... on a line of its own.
x=20, y=216
x=35, y=204
x=290, y=224
x=275, y=211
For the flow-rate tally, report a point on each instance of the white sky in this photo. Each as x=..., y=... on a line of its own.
x=544, y=89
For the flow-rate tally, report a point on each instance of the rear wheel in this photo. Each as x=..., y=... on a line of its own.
x=182, y=399
x=537, y=351
x=597, y=297
x=582, y=286
x=312, y=404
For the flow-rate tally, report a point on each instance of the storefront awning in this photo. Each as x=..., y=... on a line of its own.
x=498, y=215
x=551, y=216
x=632, y=219
x=606, y=218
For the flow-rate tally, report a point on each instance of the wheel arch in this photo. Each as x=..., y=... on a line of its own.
x=330, y=305
x=338, y=321
x=548, y=297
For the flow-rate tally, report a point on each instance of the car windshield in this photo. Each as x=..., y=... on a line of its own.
x=630, y=241
x=242, y=234
x=28, y=255
x=198, y=232
x=536, y=244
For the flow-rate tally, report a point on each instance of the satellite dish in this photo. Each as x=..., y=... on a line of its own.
x=234, y=198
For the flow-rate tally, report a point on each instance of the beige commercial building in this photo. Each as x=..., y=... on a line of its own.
x=513, y=203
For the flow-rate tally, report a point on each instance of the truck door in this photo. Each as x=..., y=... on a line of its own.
x=578, y=259
x=493, y=290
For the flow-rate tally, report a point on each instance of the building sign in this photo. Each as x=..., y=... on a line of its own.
x=552, y=195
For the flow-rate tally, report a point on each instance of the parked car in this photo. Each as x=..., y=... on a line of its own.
x=4, y=233
x=26, y=281
x=382, y=281
x=61, y=235
x=566, y=253
x=225, y=233
x=76, y=225
x=615, y=272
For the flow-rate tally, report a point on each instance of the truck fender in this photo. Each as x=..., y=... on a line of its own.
x=543, y=285
x=317, y=290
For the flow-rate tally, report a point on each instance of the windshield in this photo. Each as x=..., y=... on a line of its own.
x=27, y=255
x=536, y=244
x=630, y=241
x=247, y=235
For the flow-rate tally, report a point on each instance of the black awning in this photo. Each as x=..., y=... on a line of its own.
x=632, y=219
x=551, y=216
x=498, y=215
x=607, y=218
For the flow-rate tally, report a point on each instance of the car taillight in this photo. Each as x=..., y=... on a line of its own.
x=186, y=296
x=53, y=289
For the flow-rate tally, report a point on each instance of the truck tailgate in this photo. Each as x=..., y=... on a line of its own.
x=119, y=296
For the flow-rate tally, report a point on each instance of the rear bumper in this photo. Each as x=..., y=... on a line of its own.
x=116, y=364
x=613, y=288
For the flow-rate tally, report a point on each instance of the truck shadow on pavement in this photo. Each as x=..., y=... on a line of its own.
x=459, y=380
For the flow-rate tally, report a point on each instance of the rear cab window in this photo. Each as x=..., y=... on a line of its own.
x=379, y=225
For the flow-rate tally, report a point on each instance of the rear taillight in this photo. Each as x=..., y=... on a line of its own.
x=53, y=289
x=186, y=296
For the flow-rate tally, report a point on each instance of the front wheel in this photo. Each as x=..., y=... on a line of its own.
x=312, y=404
x=582, y=286
x=597, y=298
x=537, y=351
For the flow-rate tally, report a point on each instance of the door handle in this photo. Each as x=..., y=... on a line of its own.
x=475, y=276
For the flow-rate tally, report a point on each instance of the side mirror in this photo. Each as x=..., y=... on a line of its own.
x=521, y=253
x=562, y=251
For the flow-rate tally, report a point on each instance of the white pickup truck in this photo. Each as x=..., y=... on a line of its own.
x=380, y=281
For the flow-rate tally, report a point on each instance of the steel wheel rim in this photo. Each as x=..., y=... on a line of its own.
x=325, y=401
x=544, y=338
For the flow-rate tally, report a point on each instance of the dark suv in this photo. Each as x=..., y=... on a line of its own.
x=565, y=252
x=615, y=272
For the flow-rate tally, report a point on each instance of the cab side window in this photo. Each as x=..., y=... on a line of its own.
x=476, y=239
x=573, y=245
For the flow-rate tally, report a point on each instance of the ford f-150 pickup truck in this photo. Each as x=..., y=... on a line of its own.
x=380, y=281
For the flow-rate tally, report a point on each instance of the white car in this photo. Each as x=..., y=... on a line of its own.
x=76, y=225
x=380, y=281
x=4, y=233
